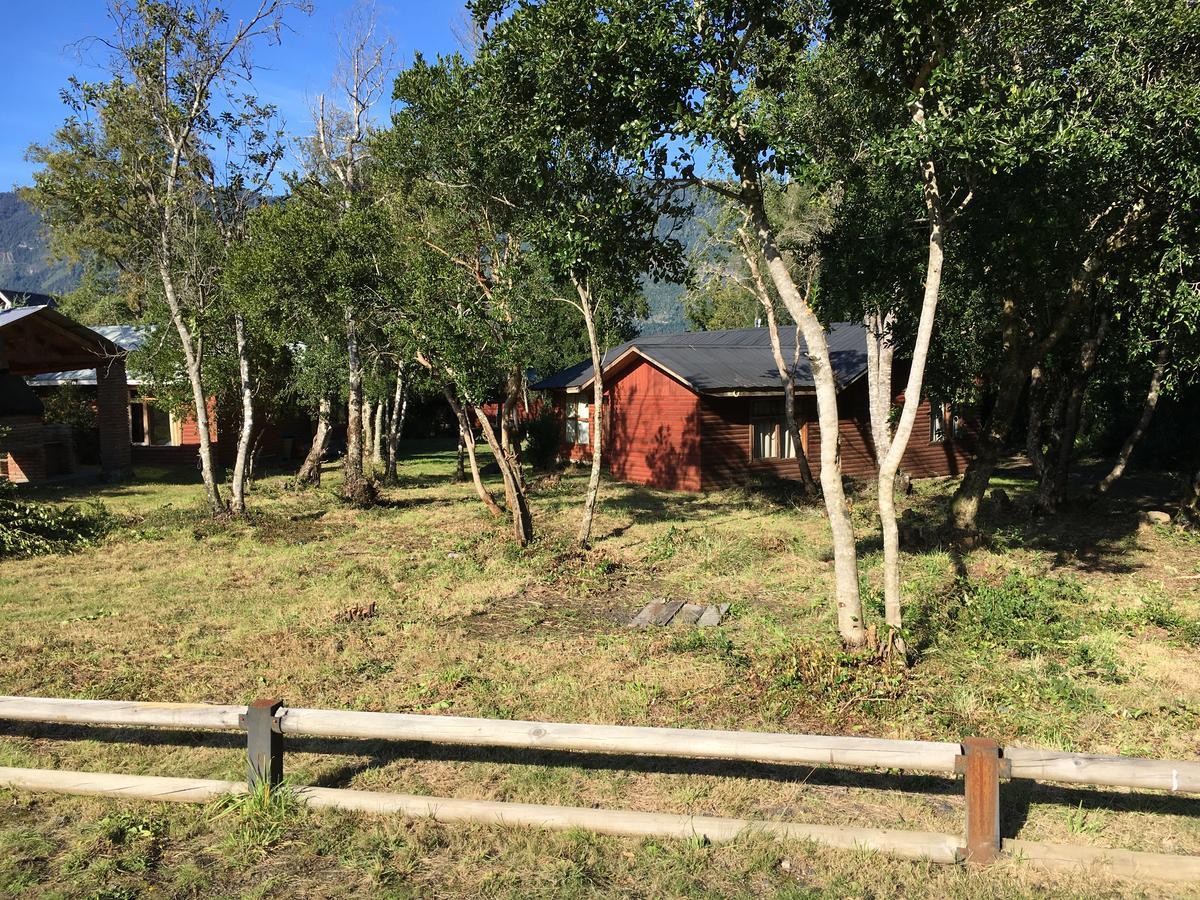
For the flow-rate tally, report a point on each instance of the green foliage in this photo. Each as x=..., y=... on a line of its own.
x=30, y=528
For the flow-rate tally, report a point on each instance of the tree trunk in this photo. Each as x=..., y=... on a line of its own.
x=354, y=487
x=508, y=426
x=396, y=422
x=597, y=434
x=1052, y=492
x=890, y=463
x=368, y=432
x=1148, y=406
x=310, y=470
x=466, y=441
x=1010, y=382
x=845, y=554
x=192, y=363
x=460, y=473
x=241, y=467
x=880, y=356
x=377, y=434
x=786, y=375
x=1035, y=427
x=513, y=489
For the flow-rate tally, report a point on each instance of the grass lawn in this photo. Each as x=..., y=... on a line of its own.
x=1081, y=633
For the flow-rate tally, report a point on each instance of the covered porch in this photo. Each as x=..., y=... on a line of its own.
x=37, y=340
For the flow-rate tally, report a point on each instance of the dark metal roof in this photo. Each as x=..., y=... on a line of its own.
x=127, y=337
x=26, y=298
x=738, y=359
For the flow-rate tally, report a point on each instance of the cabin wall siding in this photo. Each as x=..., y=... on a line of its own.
x=664, y=435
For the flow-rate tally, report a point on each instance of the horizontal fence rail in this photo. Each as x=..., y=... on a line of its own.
x=983, y=763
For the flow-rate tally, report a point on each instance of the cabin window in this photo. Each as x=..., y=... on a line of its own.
x=150, y=425
x=941, y=415
x=769, y=435
x=578, y=424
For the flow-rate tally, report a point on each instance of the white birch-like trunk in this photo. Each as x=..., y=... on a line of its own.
x=310, y=470
x=847, y=598
x=396, y=422
x=199, y=399
x=890, y=462
x=513, y=488
x=241, y=465
x=466, y=437
x=583, y=289
x=354, y=485
x=377, y=433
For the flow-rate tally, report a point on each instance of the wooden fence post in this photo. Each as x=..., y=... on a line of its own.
x=982, y=767
x=264, y=743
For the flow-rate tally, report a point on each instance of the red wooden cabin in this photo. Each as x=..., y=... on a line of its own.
x=704, y=410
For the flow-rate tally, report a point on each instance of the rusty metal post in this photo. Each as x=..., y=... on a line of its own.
x=983, y=768
x=264, y=743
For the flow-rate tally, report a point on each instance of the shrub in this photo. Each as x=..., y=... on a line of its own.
x=1022, y=612
x=29, y=528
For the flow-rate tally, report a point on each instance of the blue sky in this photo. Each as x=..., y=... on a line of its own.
x=41, y=54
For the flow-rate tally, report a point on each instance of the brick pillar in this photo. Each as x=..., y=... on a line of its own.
x=112, y=415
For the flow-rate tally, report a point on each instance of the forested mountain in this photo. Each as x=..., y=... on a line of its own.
x=25, y=264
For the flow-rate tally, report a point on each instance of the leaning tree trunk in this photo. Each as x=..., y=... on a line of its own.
x=514, y=491
x=241, y=467
x=593, y=488
x=396, y=423
x=509, y=440
x=310, y=470
x=466, y=440
x=1148, y=406
x=199, y=398
x=354, y=487
x=890, y=463
x=880, y=356
x=786, y=375
x=1010, y=383
x=848, y=601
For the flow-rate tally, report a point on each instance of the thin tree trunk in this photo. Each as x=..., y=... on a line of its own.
x=1053, y=492
x=1034, y=429
x=786, y=374
x=377, y=433
x=513, y=490
x=241, y=466
x=890, y=463
x=466, y=440
x=354, y=486
x=509, y=428
x=1148, y=406
x=584, y=291
x=310, y=470
x=848, y=601
x=396, y=422
x=460, y=473
x=368, y=432
x=880, y=355
x=1010, y=382
x=199, y=399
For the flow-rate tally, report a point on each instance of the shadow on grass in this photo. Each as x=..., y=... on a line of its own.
x=1017, y=797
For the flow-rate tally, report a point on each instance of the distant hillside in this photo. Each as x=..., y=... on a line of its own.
x=665, y=301
x=25, y=264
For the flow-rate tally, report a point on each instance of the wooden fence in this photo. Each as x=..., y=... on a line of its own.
x=983, y=764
